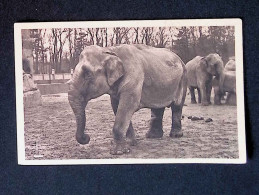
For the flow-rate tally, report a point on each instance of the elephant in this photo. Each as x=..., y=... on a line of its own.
x=200, y=71
x=231, y=65
x=135, y=77
x=229, y=85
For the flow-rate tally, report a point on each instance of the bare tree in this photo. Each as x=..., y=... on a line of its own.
x=92, y=34
x=136, y=31
x=58, y=43
x=120, y=34
x=106, y=36
x=147, y=35
x=70, y=47
x=161, y=37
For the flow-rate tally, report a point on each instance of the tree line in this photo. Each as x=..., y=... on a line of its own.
x=60, y=48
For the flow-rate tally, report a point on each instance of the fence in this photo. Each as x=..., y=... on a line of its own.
x=52, y=83
x=52, y=78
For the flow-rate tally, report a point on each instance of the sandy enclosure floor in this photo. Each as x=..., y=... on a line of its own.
x=50, y=132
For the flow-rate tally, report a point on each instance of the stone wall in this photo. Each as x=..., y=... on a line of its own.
x=53, y=88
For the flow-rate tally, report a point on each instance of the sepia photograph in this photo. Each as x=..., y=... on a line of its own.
x=130, y=92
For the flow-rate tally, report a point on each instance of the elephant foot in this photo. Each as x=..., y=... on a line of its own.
x=205, y=103
x=119, y=149
x=152, y=134
x=133, y=142
x=83, y=139
x=193, y=102
x=176, y=134
x=131, y=139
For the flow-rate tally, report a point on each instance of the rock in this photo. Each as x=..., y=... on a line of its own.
x=31, y=98
x=28, y=83
x=195, y=118
x=208, y=120
x=31, y=94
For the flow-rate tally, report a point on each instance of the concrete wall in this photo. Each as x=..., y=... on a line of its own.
x=53, y=88
x=52, y=81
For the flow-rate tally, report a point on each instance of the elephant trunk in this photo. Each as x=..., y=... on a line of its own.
x=220, y=75
x=78, y=104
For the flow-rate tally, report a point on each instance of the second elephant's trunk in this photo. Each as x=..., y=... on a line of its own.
x=78, y=104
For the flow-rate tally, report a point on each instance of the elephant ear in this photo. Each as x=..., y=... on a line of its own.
x=114, y=69
x=203, y=63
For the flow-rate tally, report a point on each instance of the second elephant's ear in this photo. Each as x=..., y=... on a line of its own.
x=114, y=69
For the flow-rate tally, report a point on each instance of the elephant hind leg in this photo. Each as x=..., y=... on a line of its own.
x=156, y=123
x=176, y=129
x=231, y=99
x=193, y=99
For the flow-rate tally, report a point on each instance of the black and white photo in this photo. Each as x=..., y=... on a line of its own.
x=130, y=92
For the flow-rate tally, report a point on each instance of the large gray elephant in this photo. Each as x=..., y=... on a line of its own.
x=200, y=71
x=229, y=85
x=135, y=77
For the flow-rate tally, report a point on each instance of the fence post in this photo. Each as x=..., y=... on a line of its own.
x=53, y=73
x=72, y=72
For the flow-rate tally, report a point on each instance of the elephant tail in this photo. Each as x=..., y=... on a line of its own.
x=182, y=88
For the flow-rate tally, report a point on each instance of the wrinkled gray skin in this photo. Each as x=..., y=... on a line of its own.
x=229, y=84
x=200, y=71
x=135, y=77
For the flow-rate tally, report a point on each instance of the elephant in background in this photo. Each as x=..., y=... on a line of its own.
x=135, y=77
x=229, y=85
x=231, y=65
x=200, y=71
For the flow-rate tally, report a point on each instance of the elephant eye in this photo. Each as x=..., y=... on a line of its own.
x=87, y=73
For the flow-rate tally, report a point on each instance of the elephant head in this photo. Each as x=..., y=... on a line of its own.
x=213, y=65
x=97, y=71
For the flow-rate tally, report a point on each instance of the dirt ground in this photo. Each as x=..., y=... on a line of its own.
x=50, y=132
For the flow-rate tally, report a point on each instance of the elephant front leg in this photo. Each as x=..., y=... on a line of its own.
x=199, y=95
x=204, y=99
x=176, y=130
x=217, y=96
x=208, y=91
x=156, y=126
x=128, y=104
x=130, y=132
x=193, y=99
